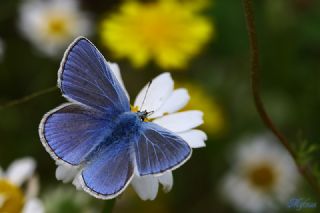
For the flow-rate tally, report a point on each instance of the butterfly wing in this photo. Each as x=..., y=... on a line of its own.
x=159, y=150
x=110, y=172
x=86, y=77
x=70, y=131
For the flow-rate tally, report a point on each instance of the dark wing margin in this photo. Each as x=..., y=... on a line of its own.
x=158, y=150
x=85, y=77
x=70, y=131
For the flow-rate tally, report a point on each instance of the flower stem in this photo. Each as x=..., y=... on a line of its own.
x=303, y=169
x=109, y=206
x=27, y=98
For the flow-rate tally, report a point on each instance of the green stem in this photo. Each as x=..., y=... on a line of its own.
x=27, y=98
x=109, y=206
x=303, y=169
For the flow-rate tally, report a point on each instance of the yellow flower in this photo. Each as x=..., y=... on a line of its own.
x=168, y=31
x=214, y=121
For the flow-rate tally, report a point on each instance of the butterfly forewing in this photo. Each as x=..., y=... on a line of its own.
x=71, y=131
x=86, y=77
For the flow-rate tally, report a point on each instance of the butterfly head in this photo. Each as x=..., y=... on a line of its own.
x=143, y=115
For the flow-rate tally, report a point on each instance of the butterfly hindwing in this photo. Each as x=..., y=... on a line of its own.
x=86, y=77
x=110, y=171
x=159, y=150
x=70, y=131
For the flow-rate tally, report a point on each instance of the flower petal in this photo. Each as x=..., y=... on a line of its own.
x=181, y=121
x=33, y=206
x=21, y=170
x=32, y=187
x=146, y=187
x=76, y=181
x=116, y=71
x=176, y=101
x=159, y=91
x=167, y=181
x=66, y=173
x=195, y=138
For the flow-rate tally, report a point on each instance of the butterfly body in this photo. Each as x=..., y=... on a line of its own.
x=129, y=123
x=123, y=135
x=97, y=133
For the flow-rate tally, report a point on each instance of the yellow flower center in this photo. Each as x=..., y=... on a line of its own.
x=57, y=26
x=11, y=197
x=157, y=29
x=134, y=108
x=262, y=176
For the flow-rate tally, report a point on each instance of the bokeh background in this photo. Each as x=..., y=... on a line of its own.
x=289, y=40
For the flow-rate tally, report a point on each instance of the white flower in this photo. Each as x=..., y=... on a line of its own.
x=165, y=102
x=12, y=198
x=263, y=176
x=51, y=25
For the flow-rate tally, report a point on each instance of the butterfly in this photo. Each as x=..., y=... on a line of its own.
x=97, y=132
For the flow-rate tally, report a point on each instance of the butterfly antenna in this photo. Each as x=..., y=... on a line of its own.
x=145, y=96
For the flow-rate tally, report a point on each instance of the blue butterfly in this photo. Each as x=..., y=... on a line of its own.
x=98, y=133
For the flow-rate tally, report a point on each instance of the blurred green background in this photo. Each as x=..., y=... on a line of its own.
x=289, y=40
